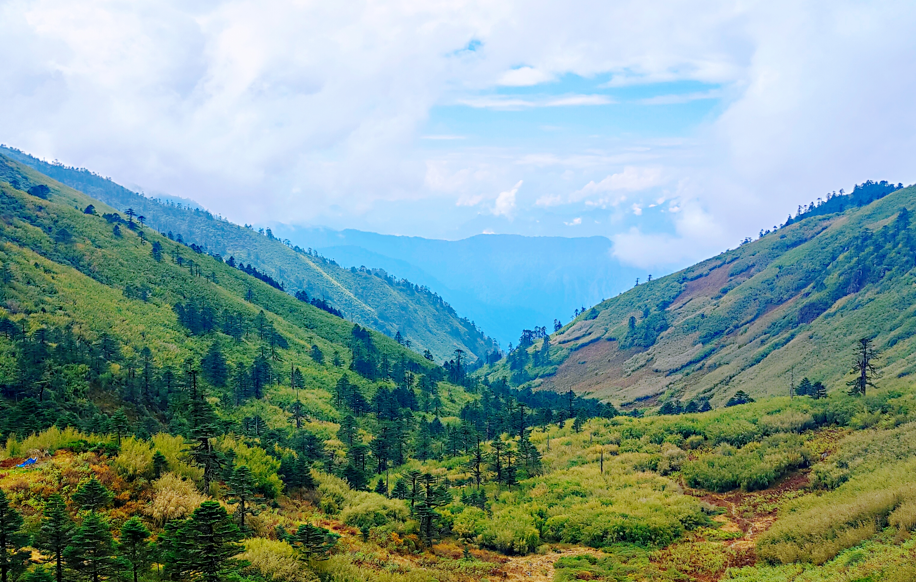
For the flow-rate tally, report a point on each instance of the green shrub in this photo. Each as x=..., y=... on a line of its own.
x=368, y=510
x=754, y=467
x=134, y=459
x=511, y=531
x=276, y=560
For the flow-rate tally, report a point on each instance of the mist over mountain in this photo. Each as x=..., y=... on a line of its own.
x=504, y=283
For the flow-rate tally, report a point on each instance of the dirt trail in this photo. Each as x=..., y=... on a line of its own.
x=539, y=567
x=751, y=514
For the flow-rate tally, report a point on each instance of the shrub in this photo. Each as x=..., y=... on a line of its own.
x=334, y=492
x=173, y=498
x=754, y=467
x=263, y=467
x=48, y=441
x=470, y=523
x=790, y=421
x=816, y=528
x=175, y=450
x=511, y=531
x=276, y=560
x=134, y=459
x=367, y=510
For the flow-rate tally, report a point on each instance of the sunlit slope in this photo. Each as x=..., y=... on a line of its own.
x=370, y=298
x=64, y=269
x=757, y=318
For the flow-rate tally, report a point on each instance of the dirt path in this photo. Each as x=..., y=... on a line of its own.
x=539, y=567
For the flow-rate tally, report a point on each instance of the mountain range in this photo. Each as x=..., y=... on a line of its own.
x=504, y=283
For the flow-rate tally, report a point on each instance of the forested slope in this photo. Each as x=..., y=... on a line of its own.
x=758, y=318
x=368, y=297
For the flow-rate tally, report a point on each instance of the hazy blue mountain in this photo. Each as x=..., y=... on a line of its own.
x=504, y=283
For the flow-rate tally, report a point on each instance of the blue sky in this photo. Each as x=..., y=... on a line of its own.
x=675, y=130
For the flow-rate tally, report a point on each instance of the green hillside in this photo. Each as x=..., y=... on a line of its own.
x=114, y=291
x=758, y=318
x=371, y=298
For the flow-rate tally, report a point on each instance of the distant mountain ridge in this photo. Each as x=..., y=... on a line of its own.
x=368, y=297
x=758, y=318
x=505, y=283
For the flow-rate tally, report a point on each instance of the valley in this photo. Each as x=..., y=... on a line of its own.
x=171, y=412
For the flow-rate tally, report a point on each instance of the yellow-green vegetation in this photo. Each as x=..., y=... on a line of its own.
x=617, y=485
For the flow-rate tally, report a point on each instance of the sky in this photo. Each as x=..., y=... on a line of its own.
x=673, y=128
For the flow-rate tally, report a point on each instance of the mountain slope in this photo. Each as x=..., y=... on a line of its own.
x=122, y=297
x=368, y=297
x=505, y=283
x=758, y=318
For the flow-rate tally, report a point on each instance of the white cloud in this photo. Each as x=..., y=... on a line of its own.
x=516, y=103
x=443, y=137
x=524, y=77
x=631, y=179
x=574, y=222
x=637, y=209
x=548, y=200
x=319, y=112
x=677, y=98
x=505, y=202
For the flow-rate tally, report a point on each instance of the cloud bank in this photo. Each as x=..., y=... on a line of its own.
x=363, y=114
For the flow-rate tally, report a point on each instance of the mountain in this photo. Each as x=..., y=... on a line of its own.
x=369, y=297
x=505, y=283
x=112, y=294
x=759, y=318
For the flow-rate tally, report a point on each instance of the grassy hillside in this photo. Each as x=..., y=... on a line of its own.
x=757, y=318
x=368, y=297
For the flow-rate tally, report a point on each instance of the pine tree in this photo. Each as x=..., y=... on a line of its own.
x=37, y=574
x=203, y=419
x=92, y=495
x=135, y=547
x=160, y=464
x=120, y=424
x=213, y=539
x=400, y=490
x=91, y=552
x=55, y=533
x=214, y=366
x=475, y=464
x=818, y=390
x=314, y=541
x=864, y=368
x=804, y=387
x=242, y=488
x=13, y=558
x=431, y=497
